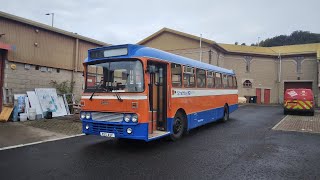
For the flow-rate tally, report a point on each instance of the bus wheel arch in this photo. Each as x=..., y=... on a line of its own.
x=179, y=124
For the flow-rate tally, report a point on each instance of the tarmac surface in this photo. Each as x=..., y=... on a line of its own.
x=17, y=133
x=245, y=147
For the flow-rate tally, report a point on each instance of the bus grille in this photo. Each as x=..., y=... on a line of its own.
x=108, y=117
x=110, y=128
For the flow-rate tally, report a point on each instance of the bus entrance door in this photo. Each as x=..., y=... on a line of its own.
x=157, y=97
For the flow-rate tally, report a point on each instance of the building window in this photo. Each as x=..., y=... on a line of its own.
x=247, y=67
x=248, y=60
x=247, y=84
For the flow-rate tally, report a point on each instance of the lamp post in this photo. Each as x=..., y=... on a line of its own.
x=200, y=47
x=52, y=16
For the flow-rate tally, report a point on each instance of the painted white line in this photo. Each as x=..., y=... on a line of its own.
x=39, y=142
x=279, y=123
x=131, y=97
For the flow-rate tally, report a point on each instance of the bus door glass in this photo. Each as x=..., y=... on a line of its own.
x=157, y=94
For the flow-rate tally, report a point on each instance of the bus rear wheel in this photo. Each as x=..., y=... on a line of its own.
x=225, y=114
x=178, y=126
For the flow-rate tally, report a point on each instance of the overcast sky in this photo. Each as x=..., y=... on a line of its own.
x=224, y=21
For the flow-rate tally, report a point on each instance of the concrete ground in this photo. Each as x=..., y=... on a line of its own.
x=300, y=123
x=245, y=147
x=16, y=133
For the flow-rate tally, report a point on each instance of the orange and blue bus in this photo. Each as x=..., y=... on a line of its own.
x=137, y=92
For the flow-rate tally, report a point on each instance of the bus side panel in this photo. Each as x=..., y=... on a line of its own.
x=204, y=117
x=203, y=109
x=232, y=108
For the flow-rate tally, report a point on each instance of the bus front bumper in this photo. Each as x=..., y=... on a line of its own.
x=117, y=130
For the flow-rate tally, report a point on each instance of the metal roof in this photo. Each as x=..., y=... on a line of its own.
x=135, y=51
x=240, y=49
x=149, y=38
x=50, y=28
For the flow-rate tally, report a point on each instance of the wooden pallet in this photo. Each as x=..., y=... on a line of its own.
x=6, y=113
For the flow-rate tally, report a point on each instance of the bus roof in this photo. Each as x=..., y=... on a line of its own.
x=135, y=51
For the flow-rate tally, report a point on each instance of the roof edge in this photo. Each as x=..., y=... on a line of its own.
x=50, y=28
x=165, y=29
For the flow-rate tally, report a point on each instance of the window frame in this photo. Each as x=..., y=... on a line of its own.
x=224, y=81
x=187, y=73
x=245, y=84
x=198, y=70
x=181, y=76
x=211, y=74
x=230, y=81
x=220, y=79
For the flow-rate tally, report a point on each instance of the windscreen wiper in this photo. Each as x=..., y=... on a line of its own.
x=94, y=91
x=118, y=96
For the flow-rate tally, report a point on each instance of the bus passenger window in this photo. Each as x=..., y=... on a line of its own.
x=176, y=74
x=235, y=85
x=225, y=81
x=210, y=79
x=188, y=77
x=230, y=84
x=218, y=80
x=201, y=78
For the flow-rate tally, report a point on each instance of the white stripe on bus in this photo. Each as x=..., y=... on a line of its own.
x=178, y=92
x=115, y=97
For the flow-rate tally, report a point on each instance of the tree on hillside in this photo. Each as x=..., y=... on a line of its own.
x=296, y=37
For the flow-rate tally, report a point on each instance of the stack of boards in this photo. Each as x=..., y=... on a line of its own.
x=44, y=100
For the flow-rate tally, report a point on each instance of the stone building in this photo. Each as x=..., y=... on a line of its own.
x=263, y=73
x=32, y=54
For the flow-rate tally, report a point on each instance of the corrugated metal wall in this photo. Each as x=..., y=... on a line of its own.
x=42, y=47
x=83, y=53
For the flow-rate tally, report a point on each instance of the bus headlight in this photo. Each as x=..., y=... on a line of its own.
x=134, y=118
x=87, y=126
x=127, y=118
x=83, y=115
x=129, y=130
x=88, y=116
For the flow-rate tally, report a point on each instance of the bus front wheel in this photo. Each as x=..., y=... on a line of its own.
x=178, y=126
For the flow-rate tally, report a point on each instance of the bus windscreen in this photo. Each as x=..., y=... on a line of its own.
x=115, y=76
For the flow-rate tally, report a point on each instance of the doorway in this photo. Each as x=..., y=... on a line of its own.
x=258, y=94
x=266, y=96
x=157, y=95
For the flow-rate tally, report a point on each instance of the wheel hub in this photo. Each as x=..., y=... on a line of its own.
x=177, y=126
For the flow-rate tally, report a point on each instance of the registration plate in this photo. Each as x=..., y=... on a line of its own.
x=105, y=134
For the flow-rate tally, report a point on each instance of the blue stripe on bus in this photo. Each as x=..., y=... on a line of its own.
x=203, y=117
x=139, y=131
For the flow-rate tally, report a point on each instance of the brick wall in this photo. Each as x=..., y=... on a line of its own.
x=21, y=79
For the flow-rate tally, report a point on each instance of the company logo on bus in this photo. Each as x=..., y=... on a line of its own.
x=182, y=93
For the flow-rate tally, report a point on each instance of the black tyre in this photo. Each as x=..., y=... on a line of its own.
x=311, y=113
x=179, y=125
x=225, y=114
x=285, y=112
